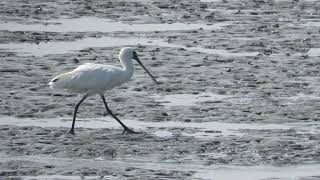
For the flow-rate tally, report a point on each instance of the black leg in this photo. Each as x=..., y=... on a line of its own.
x=125, y=128
x=75, y=114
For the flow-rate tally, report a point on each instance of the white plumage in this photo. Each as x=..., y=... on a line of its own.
x=92, y=79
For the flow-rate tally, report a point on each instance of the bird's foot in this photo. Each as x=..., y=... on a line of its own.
x=71, y=132
x=129, y=131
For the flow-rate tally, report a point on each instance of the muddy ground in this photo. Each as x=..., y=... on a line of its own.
x=267, y=73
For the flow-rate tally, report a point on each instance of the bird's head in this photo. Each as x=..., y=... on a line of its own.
x=129, y=54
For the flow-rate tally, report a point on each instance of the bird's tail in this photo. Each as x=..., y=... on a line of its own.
x=60, y=81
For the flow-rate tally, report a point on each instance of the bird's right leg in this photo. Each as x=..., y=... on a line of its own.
x=125, y=128
x=75, y=114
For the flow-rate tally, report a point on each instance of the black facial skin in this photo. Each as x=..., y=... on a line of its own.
x=135, y=56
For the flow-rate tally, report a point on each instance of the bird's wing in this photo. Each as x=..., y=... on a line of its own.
x=94, y=77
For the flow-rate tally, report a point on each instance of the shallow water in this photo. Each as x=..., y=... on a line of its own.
x=312, y=24
x=93, y=24
x=61, y=177
x=61, y=47
x=189, y=99
x=202, y=130
x=202, y=171
x=216, y=172
x=314, y=52
x=261, y=172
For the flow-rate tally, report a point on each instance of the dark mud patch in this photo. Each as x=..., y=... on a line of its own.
x=109, y=143
x=35, y=151
x=40, y=37
x=263, y=88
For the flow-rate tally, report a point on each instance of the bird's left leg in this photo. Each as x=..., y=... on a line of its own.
x=75, y=114
x=125, y=128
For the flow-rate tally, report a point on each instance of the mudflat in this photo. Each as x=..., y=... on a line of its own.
x=238, y=95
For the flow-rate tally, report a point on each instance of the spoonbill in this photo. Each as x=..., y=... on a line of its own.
x=90, y=79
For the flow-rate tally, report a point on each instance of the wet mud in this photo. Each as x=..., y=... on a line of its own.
x=250, y=67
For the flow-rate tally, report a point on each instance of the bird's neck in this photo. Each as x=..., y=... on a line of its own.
x=127, y=66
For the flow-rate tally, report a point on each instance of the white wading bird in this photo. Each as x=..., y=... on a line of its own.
x=90, y=79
